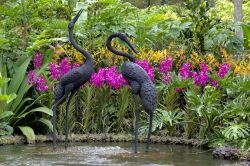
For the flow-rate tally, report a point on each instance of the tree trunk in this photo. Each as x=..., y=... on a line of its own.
x=238, y=16
x=149, y=3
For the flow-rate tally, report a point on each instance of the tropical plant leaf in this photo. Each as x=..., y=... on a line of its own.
x=5, y=114
x=47, y=123
x=18, y=76
x=28, y=132
x=39, y=109
x=236, y=131
x=20, y=85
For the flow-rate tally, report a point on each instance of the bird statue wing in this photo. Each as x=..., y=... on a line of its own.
x=148, y=96
x=133, y=72
x=71, y=77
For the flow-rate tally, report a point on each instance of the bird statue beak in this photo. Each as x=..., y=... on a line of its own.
x=72, y=23
x=131, y=46
x=77, y=15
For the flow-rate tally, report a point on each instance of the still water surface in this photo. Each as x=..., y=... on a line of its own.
x=106, y=154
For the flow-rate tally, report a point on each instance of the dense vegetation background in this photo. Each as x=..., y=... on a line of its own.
x=190, y=50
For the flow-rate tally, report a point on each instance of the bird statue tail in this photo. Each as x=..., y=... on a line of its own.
x=148, y=96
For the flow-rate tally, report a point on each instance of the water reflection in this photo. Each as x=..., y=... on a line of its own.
x=106, y=154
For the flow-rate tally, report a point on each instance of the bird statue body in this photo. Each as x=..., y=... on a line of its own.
x=139, y=82
x=72, y=81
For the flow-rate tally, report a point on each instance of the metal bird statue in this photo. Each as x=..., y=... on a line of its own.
x=71, y=82
x=139, y=82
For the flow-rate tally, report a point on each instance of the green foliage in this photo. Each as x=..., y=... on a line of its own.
x=224, y=9
x=5, y=129
x=221, y=35
x=246, y=32
x=121, y=111
x=28, y=132
x=206, y=107
x=106, y=17
x=236, y=131
x=87, y=102
x=217, y=116
x=18, y=109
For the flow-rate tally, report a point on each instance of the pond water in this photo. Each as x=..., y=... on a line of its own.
x=106, y=154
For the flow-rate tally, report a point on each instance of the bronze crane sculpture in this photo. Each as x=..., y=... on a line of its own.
x=139, y=82
x=71, y=82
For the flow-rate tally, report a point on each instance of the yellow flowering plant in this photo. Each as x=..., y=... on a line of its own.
x=103, y=57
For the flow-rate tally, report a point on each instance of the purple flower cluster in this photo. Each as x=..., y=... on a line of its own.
x=38, y=60
x=56, y=71
x=41, y=84
x=35, y=80
x=178, y=89
x=75, y=65
x=185, y=71
x=214, y=83
x=146, y=66
x=108, y=75
x=32, y=77
x=166, y=65
x=113, y=78
x=98, y=78
x=224, y=68
x=202, y=77
x=64, y=66
x=166, y=78
x=165, y=68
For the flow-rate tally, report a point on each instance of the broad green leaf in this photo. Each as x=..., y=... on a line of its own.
x=20, y=94
x=18, y=77
x=3, y=72
x=39, y=109
x=5, y=114
x=12, y=96
x=23, y=102
x=47, y=123
x=23, y=90
x=28, y=132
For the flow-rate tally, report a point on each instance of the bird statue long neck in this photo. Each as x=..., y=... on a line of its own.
x=115, y=51
x=89, y=58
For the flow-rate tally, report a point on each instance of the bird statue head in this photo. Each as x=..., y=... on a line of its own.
x=72, y=23
x=123, y=37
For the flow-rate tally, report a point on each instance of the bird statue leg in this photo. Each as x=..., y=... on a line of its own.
x=54, y=109
x=136, y=121
x=149, y=130
x=67, y=90
x=67, y=118
x=54, y=126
